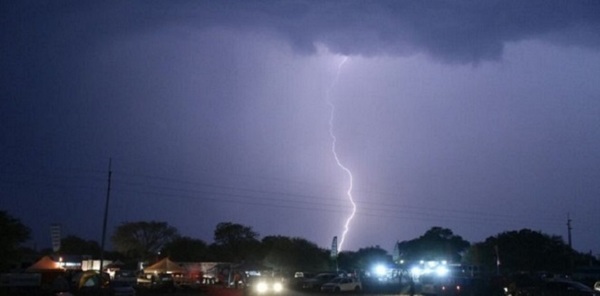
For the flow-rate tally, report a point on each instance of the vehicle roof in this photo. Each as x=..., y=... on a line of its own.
x=579, y=285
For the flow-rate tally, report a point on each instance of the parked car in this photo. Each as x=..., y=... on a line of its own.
x=145, y=280
x=451, y=285
x=298, y=279
x=342, y=284
x=317, y=281
x=162, y=281
x=121, y=288
x=264, y=285
x=126, y=276
x=303, y=274
x=522, y=285
x=563, y=287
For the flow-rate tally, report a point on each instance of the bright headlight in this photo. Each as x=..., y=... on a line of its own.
x=380, y=270
x=441, y=270
x=262, y=287
x=277, y=287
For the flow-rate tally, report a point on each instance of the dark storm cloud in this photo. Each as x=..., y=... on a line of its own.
x=454, y=31
x=463, y=31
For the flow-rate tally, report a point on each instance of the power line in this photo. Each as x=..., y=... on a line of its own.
x=202, y=191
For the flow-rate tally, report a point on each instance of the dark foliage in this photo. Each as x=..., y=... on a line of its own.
x=12, y=234
x=436, y=244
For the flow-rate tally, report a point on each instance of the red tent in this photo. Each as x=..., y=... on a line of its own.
x=50, y=272
x=45, y=264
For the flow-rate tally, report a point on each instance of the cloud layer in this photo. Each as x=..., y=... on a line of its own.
x=451, y=31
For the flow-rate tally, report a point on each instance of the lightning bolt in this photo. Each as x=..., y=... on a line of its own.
x=335, y=155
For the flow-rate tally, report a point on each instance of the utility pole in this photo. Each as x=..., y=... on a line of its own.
x=569, y=228
x=105, y=216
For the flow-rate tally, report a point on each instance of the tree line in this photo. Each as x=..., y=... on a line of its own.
x=149, y=241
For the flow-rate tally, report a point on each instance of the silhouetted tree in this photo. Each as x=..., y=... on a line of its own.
x=235, y=242
x=142, y=240
x=292, y=254
x=436, y=244
x=74, y=245
x=363, y=259
x=12, y=234
x=523, y=250
x=186, y=249
x=372, y=255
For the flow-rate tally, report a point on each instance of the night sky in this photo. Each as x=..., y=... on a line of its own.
x=478, y=116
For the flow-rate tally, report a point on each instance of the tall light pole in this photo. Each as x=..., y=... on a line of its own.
x=105, y=216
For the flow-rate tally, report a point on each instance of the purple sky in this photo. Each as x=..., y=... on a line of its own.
x=478, y=116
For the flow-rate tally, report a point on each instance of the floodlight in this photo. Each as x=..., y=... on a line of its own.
x=380, y=270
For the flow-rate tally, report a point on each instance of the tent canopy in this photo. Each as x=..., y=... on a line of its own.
x=45, y=264
x=164, y=266
x=91, y=279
